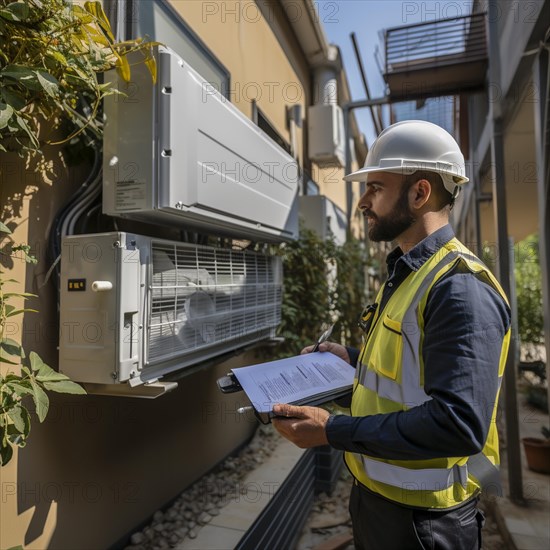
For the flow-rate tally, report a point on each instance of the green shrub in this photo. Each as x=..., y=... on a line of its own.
x=323, y=283
x=529, y=291
x=35, y=377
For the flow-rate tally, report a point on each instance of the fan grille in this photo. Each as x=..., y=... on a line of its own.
x=202, y=296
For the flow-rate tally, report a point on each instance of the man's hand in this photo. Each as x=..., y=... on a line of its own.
x=336, y=349
x=305, y=426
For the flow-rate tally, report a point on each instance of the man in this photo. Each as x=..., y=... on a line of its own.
x=421, y=438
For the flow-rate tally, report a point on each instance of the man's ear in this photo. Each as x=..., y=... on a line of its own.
x=420, y=193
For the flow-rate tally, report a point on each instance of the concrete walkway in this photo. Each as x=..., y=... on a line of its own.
x=526, y=527
x=247, y=502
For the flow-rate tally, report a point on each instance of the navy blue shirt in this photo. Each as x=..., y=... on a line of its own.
x=465, y=320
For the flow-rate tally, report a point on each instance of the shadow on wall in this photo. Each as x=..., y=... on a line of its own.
x=105, y=464
x=99, y=466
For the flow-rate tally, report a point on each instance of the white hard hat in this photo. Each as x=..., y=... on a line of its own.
x=412, y=145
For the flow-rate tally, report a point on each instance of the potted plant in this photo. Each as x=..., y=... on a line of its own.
x=537, y=452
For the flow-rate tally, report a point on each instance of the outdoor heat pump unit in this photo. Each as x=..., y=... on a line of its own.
x=326, y=135
x=134, y=309
x=177, y=152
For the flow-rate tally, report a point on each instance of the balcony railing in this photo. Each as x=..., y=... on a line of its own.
x=436, y=58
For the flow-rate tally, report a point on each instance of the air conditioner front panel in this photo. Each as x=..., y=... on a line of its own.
x=326, y=134
x=325, y=218
x=199, y=161
x=229, y=183
x=166, y=305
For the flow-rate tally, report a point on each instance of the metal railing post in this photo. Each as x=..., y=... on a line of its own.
x=500, y=212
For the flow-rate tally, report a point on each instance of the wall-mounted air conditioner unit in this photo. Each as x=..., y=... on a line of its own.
x=179, y=153
x=135, y=308
x=326, y=134
x=325, y=218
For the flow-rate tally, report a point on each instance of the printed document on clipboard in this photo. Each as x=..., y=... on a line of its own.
x=309, y=379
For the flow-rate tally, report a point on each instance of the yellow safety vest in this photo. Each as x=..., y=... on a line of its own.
x=390, y=378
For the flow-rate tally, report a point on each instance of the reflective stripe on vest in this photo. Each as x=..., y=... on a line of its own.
x=424, y=479
x=486, y=473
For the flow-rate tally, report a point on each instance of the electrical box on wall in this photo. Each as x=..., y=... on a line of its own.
x=326, y=134
x=136, y=308
x=325, y=218
x=179, y=153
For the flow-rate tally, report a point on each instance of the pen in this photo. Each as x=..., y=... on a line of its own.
x=323, y=338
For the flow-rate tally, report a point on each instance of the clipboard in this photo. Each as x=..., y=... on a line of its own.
x=310, y=379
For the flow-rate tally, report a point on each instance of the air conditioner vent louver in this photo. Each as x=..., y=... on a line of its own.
x=203, y=296
x=170, y=305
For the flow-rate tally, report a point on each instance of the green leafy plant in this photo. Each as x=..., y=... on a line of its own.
x=35, y=376
x=323, y=282
x=529, y=291
x=305, y=304
x=349, y=294
x=51, y=52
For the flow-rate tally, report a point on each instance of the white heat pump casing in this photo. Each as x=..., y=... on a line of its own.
x=323, y=217
x=136, y=308
x=326, y=134
x=179, y=153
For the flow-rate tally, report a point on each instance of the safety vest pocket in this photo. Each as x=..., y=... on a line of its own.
x=386, y=358
x=394, y=326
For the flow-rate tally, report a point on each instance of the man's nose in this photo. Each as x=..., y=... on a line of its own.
x=364, y=202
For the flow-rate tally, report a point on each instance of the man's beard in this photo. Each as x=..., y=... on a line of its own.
x=390, y=226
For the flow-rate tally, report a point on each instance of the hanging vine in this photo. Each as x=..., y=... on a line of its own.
x=51, y=52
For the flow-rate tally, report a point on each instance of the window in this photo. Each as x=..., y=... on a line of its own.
x=159, y=21
x=263, y=122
